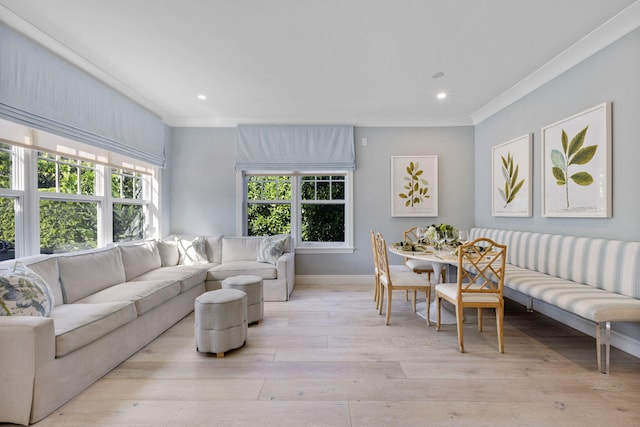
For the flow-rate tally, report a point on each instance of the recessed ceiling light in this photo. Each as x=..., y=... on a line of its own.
x=437, y=75
x=203, y=97
x=442, y=95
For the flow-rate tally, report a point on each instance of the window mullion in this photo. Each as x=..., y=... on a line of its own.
x=30, y=203
x=105, y=207
x=296, y=186
x=78, y=173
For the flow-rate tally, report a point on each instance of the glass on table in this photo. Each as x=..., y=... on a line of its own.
x=463, y=236
x=441, y=238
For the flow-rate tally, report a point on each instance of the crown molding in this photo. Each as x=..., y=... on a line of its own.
x=607, y=33
x=32, y=32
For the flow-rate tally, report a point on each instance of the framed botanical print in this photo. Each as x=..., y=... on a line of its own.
x=511, y=191
x=576, y=165
x=414, y=186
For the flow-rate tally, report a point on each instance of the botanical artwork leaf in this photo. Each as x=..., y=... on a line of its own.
x=557, y=159
x=577, y=142
x=559, y=175
x=573, y=153
x=582, y=178
x=512, y=186
x=417, y=188
x=584, y=155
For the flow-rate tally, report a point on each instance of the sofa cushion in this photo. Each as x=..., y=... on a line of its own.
x=214, y=249
x=169, y=255
x=47, y=268
x=146, y=294
x=587, y=301
x=192, y=251
x=23, y=292
x=240, y=249
x=85, y=273
x=612, y=265
x=235, y=268
x=188, y=276
x=271, y=248
x=139, y=258
x=77, y=325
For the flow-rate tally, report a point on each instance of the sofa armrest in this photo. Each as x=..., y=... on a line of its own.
x=26, y=343
x=286, y=269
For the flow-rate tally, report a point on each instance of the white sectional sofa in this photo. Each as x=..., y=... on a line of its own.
x=233, y=256
x=109, y=303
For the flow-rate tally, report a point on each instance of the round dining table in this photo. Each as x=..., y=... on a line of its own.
x=439, y=259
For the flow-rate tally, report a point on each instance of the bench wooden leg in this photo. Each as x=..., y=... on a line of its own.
x=603, y=346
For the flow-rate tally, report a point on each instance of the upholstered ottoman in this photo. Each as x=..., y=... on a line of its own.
x=221, y=321
x=252, y=285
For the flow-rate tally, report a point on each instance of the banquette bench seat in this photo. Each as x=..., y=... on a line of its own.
x=596, y=279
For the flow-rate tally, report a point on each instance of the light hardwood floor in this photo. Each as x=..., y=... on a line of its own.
x=325, y=358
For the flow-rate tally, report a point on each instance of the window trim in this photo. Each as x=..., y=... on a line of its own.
x=300, y=247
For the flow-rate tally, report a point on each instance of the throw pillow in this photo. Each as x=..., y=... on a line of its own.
x=24, y=293
x=192, y=251
x=271, y=248
x=169, y=254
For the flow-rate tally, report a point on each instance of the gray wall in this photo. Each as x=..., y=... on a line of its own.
x=201, y=174
x=202, y=190
x=203, y=194
x=613, y=74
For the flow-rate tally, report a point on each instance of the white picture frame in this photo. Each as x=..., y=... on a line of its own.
x=414, y=186
x=512, y=177
x=576, y=165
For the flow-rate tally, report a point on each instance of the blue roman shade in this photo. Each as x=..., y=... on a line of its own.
x=43, y=91
x=295, y=148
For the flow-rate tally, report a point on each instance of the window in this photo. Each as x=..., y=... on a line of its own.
x=68, y=204
x=314, y=208
x=7, y=228
x=268, y=205
x=6, y=165
x=8, y=201
x=317, y=162
x=129, y=204
x=58, y=195
x=322, y=208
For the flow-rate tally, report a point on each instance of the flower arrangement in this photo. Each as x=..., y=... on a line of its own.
x=435, y=232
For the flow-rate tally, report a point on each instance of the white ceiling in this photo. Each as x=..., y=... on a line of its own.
x=359, y=62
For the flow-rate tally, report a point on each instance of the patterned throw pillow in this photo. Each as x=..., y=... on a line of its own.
x=271, y=248
x=23, y=292
x=192, y=251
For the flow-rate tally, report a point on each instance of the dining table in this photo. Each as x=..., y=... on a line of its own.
x=439, y=259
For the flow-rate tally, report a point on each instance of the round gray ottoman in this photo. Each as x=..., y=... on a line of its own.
x=252, y=285
x=221, y=321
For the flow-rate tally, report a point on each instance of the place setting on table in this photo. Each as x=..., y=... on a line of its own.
x=438, y=245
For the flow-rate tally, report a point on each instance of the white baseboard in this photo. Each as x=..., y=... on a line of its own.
x=623, y=342
x=335, y=280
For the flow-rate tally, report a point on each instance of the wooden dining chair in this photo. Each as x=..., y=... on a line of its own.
x=376, y=284
x=480, y=285
x=398, y=278
x=419, y=266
